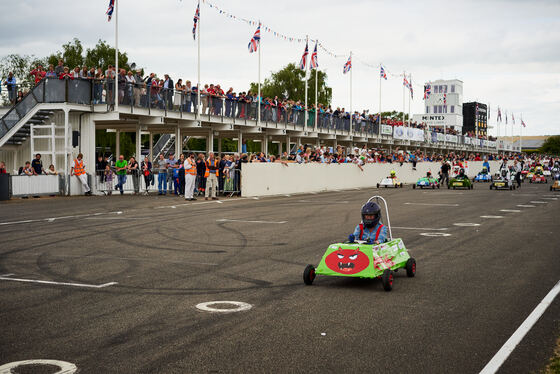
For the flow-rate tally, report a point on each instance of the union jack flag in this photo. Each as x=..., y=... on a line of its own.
x=499, y=115
x=382, y=73
x=523, y=123
x=506, y=117
x=347, y=65
x=303, y=61
x=110, y=10
x=427, y=91
x=411, y=89
x=195, y=19
x=314, y=63
x=255, y=40
x=445, y=101
x=512, y=118
x=405, y=83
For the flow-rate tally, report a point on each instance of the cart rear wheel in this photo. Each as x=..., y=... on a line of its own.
x=490, y=186
x=309, y=275
x=413, y=186
x=377, y=185
x=410, y=267
x=387, y=280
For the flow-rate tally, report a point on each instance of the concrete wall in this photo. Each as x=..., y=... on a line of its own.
x=265, y=179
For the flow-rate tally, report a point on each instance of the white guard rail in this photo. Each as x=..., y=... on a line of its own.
x=35, y=185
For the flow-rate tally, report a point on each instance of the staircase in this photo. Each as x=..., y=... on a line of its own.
x=24, y=132
x=166, y=145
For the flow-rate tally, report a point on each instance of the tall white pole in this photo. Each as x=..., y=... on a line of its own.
x=306, y=113
x=198, y=88
x=409, y=97
x=259, y=84
x=116, y=93
x=316, y=95
x=521, y=134
x=351, y=113
x=379, y=129
x=403, y=98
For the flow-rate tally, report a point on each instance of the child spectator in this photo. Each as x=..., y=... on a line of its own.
x=108, y=173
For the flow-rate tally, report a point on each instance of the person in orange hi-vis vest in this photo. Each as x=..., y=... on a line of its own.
x=190, y=176
x=79, y=170
x=211, y=175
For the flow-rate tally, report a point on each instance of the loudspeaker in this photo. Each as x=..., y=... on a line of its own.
x=75, y=138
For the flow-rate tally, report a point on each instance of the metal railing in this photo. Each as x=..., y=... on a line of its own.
x=214, y=108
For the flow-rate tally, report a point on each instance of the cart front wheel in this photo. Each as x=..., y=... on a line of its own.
x=387, y=280
x=309, y=275
x=411, y=267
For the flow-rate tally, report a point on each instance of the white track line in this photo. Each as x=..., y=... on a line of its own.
x=241, y=220
x=59, y=283
x=431, y=204
x=52, y=219
x=504, y=352
x=510, y=210
x=418, y=228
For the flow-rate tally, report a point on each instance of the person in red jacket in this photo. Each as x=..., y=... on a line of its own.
x=39, y=73
x=66, y=74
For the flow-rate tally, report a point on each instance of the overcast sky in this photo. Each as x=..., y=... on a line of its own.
x=507, y=53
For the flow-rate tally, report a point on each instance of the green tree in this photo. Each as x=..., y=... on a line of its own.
x=289, y=83
x=72, y=54
x=20, y=65
x=551, y=145
x=103, y=55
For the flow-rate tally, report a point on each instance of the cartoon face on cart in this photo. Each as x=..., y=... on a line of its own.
x=347, y=261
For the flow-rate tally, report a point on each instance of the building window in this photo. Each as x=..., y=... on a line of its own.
x=444, y=88
x=445, y=109
x=452, y=88
x=435, y=109
x=452, y=107
x=427, y=110
x=440, y=108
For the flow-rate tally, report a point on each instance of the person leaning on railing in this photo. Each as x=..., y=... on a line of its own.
x=3, y=167
x=147, y=173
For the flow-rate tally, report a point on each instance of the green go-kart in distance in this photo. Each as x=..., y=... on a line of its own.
x=460, y=182
x=362, y=260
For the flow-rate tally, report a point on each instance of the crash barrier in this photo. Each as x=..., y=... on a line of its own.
x=265, y=179
x=36, y=185
x=4, y=187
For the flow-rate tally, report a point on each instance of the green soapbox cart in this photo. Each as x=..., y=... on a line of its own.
x=363, y=260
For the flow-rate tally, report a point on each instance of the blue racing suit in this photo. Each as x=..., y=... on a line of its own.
x=371, y=235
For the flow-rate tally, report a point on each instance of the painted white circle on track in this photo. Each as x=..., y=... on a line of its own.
x=526, y=206
x=239, y=306
x=467, y=224
x=492, y=217
x=539, y=202
x=435, y=234
x=65, y=367
x=510, y=210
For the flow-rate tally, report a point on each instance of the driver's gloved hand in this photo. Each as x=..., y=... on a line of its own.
x=370, y=241
x=351, y=238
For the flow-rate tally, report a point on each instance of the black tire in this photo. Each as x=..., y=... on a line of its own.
x=411, y=267
x=413, y=186
x=433, y=186
x=438, y=186
x=309, y=275
x=545, y=180
x=490, y=186
x=551, y=188
x=448, y=187
x=377, y=185
x=387, y=280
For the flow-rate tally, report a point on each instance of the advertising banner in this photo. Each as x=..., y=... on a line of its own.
x=451, y=138
x=467, y=140
x=408, y=133
x=440, y=137
x=386, y=130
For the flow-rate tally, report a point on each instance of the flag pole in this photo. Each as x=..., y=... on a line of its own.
x=351, y=113
x=116, y=93
x=198, y=88
x=316, y=93
x=521, y=134
x=409, y=97
x=403, y=98
x=379, y=129
x=259, y=84
x=306, y=113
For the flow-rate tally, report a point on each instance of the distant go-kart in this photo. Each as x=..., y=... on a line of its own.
x=363, y=260
x=538, y=176
x=503, y=181
x=547, y=172
x=460, y=182
x=556, y=176
x=390, y=182
x=483, y=176
x=426, y=182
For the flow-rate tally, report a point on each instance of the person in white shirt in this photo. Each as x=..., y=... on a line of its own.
x=190, y=176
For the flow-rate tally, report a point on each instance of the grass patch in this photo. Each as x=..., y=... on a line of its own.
x=553, y=366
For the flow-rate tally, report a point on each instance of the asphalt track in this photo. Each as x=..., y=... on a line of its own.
x=473, y=288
